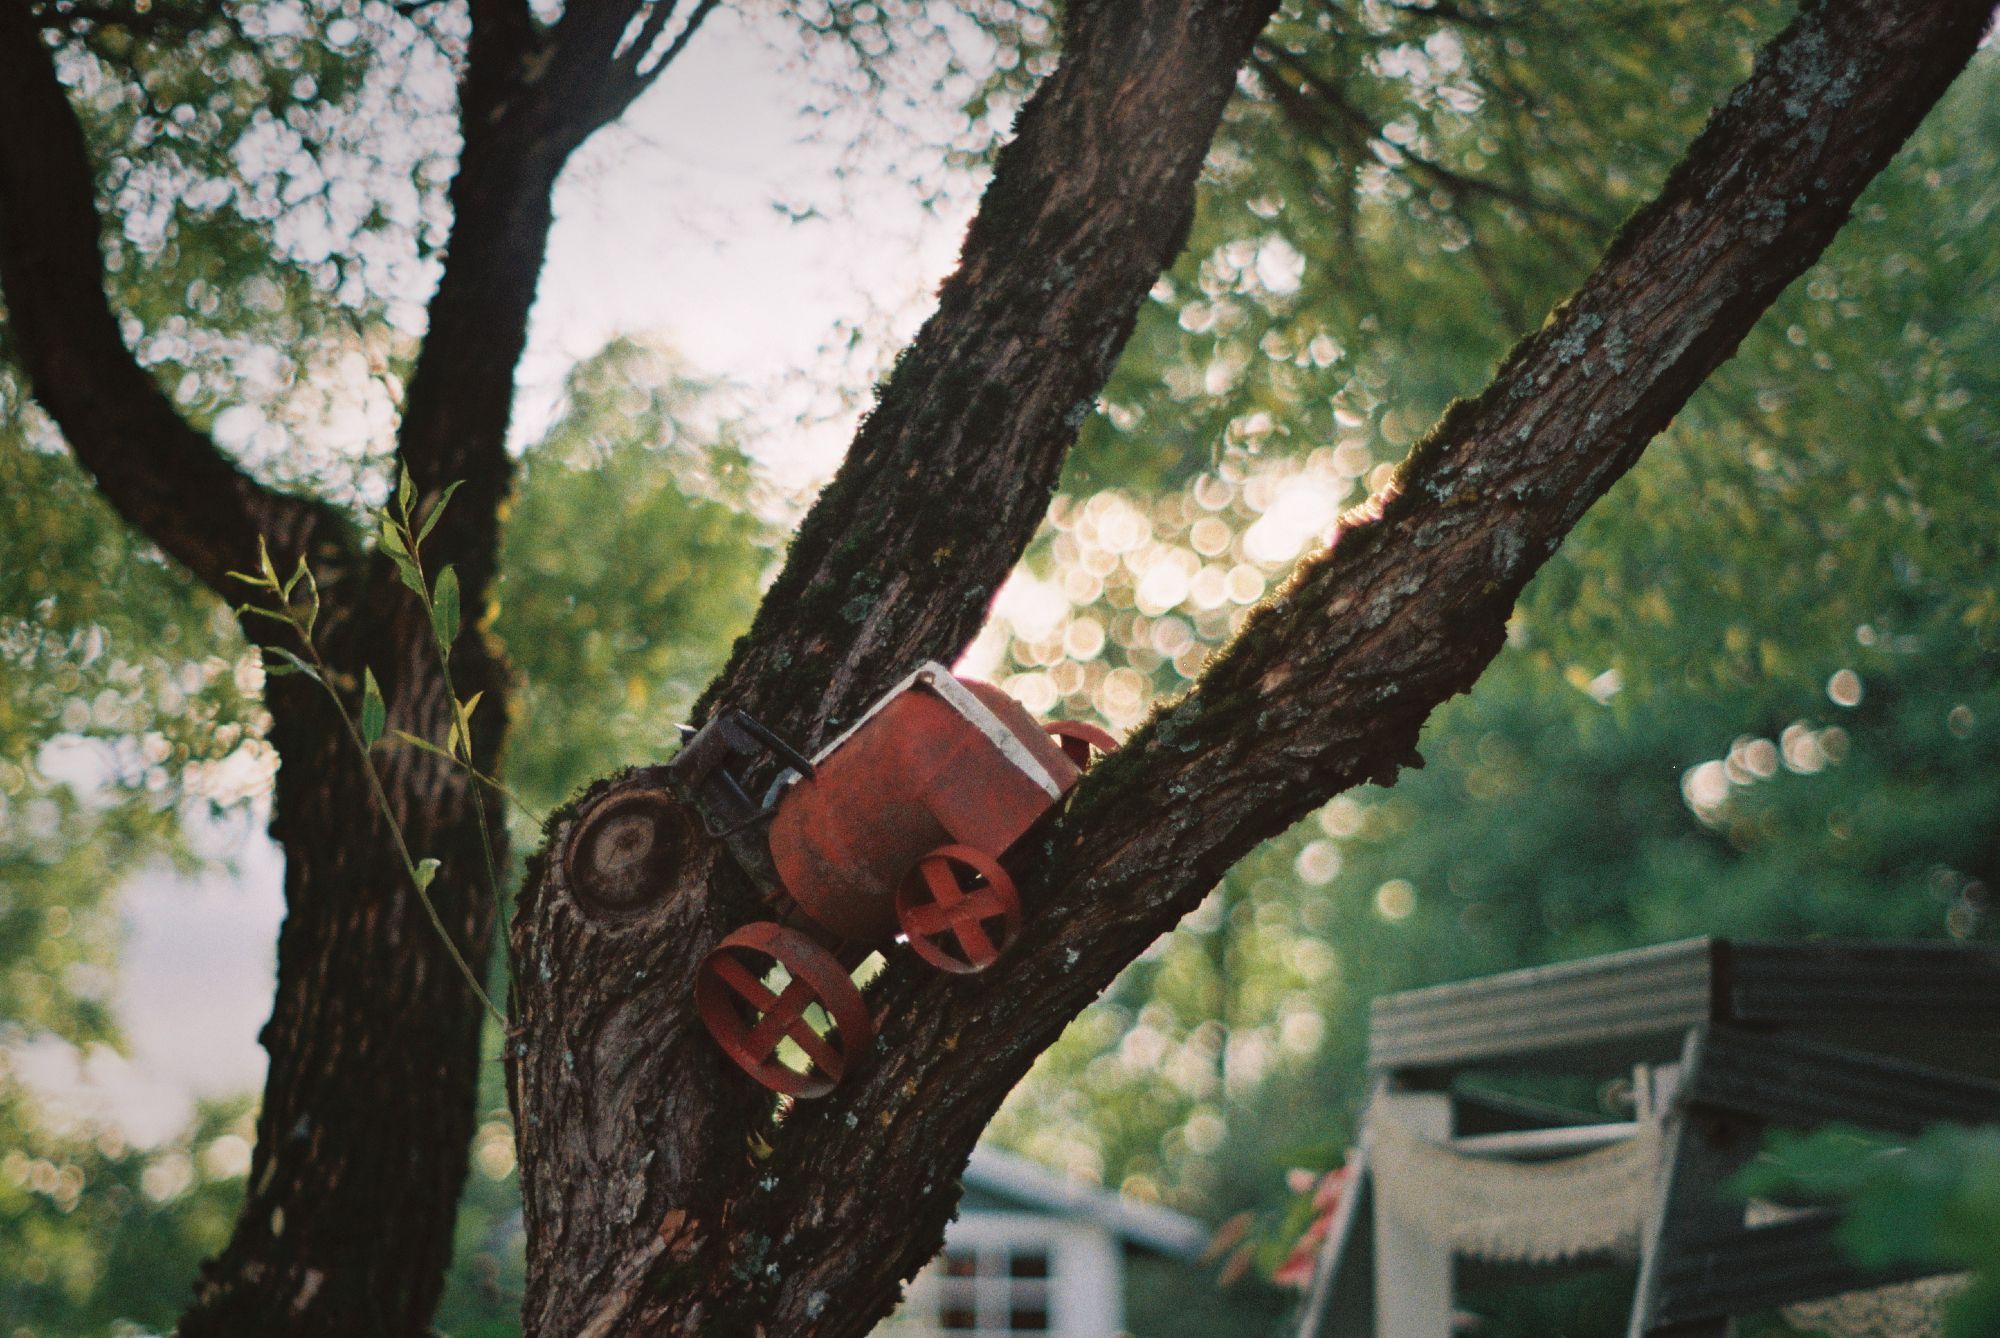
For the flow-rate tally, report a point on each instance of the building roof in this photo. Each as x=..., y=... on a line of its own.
x=1018, y=1181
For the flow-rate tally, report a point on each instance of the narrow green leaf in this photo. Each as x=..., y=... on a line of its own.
x=451, y=739
x=461, y=731
x=392, y=539
x=312, y=610
x=298, y=666
x=444, y=609
x=278, y=670
x=374, y=713
x=245, y=577
x=258, y=611
x=424, y=744
x=286, y=593
x=406, y=491
x=264, y=564
x=413, y=577
x=426, y=870
x=431, y=520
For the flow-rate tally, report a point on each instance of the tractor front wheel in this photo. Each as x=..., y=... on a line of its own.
x=958, y=909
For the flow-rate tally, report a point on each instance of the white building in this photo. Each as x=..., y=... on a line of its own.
x=1032, y=1252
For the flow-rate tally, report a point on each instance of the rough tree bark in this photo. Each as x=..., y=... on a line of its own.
x=374, y=1036
x=663, y=1195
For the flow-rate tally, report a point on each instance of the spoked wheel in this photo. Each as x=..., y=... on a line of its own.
x=749, y=1019
x=959, y=909
x=1080, y=741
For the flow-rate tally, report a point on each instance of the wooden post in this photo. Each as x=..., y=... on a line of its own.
x=1341, y=1301
x=1702, y=1151
x=1412, y=1271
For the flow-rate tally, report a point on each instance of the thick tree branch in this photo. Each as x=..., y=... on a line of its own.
x=502, y=31
x=1330, y=682
x=461, y=392
x=950, y=475
x=164, y=477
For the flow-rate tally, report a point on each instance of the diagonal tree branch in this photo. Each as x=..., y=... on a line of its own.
x=951, y=473
x=1330, y=682
x=164, y=477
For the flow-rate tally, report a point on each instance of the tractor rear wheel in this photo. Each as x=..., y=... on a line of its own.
x=751, y=1017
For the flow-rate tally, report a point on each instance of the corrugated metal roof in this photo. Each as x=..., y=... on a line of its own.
x=1934, y=1002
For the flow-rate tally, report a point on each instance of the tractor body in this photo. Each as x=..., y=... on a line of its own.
x=894, y=829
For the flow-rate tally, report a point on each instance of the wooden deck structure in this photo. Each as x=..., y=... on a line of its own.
x=1723, y=1040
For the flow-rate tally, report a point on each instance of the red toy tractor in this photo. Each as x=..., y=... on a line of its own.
x=894, y=830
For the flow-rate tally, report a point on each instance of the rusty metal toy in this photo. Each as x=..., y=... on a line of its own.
x=894, y=829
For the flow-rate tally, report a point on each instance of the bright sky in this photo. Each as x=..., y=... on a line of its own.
x=665, y=226
x=667, y=223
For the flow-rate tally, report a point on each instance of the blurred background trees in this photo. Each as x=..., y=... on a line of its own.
x=1754, y=694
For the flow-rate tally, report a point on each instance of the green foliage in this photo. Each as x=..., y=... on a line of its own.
x=373, y=713
x=1829, y=493
x=125, y=692
x=1934, y=1201
x=270, y=246
x=98, y=1236
x=444, y=611
x=630, y=560
x=117, y=678
x=1402, y=192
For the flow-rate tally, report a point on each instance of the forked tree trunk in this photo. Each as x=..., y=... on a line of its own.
x=664, y=1194
x=368, y=1103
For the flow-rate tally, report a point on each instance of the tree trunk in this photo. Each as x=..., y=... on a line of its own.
x=363, y=1134
x=665, y=1193
x=373, y=1040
